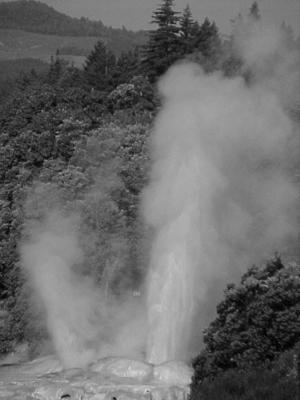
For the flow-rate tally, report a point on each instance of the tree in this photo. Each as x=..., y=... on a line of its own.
x=255, y=384
x=254, y=13
x=57, y=132
x=188, y=30
x=208, y=45
x=162, y=48
x=135, y=95
x=39, y=122
x=256, y=322
x=100, y=67
x=208, y=40
x=127, y=66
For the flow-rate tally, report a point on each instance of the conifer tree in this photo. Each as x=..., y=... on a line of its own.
x=208, y=43
x=188, y=30
x=208, y=40
x=186, y=23
x=162, y=48
x=100, y=67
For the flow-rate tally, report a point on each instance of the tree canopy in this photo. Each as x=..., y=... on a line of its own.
x=256, y=322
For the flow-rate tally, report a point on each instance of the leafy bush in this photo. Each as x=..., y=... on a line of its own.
x=257, y=321
x=260, y=384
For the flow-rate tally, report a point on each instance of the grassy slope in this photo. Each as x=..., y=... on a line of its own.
x=16, y=44
x=33, y=29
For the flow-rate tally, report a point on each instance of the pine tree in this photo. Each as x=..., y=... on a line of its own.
x=163, y=45
x=100, y=67
x=208, y=43
x=188, y=30
x=186, y=23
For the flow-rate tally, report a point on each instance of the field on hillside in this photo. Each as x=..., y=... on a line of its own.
x=16, y=44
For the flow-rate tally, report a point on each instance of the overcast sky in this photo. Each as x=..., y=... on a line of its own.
x=136, y=14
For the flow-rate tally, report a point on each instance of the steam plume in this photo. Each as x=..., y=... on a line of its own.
x=84, y=323
x=219, y=197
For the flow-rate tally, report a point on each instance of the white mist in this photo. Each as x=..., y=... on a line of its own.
x=218, y=196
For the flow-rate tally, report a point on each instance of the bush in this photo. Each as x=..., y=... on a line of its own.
x=261, y=384
x=257, y=321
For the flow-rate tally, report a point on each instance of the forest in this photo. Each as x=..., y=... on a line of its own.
x=35, y=16
x=79, y=140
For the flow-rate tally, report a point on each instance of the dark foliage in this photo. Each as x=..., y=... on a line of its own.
x=179, y=37
x=163, y=45
x=256, y=384
x=17, y=72
x=256, y=322
x=59, y=132
x=208, y=43
x=100, y=68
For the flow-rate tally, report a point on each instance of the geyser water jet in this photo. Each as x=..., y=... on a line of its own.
x=84, y=325
x=218, y=197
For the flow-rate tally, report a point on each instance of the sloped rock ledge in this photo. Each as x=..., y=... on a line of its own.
x=108, y=379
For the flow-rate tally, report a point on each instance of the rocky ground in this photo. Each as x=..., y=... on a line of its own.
x=107, y=379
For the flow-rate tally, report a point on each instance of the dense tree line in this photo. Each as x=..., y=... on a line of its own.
x=12, y=71
x=65, y=132
x=59, y=132
x=178, y=36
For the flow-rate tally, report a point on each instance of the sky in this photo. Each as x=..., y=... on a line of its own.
x=136, y=14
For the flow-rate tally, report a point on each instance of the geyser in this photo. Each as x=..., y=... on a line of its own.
x=218, y=198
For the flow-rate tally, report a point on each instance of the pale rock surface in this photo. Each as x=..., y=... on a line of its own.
x=173, y=373
x=123, y=368
x=108, y=379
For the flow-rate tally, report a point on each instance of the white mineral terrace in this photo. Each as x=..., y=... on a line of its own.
x=111, y=378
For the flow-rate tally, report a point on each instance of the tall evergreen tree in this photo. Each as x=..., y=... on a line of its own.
x=208, y=40
x=208, y=44
x=162, y=48
x=100, y=67
x=188, y=30
x=186, y=23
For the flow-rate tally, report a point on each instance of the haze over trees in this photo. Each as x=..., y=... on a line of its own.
x=68, y=132
x=36, y=16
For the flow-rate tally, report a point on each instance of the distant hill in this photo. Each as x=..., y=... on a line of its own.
x=36, y=17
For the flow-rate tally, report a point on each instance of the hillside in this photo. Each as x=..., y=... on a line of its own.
x=36, y=17
x=13, y=68
x=17, y=44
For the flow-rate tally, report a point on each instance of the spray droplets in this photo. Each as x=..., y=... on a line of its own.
x=219, y=197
